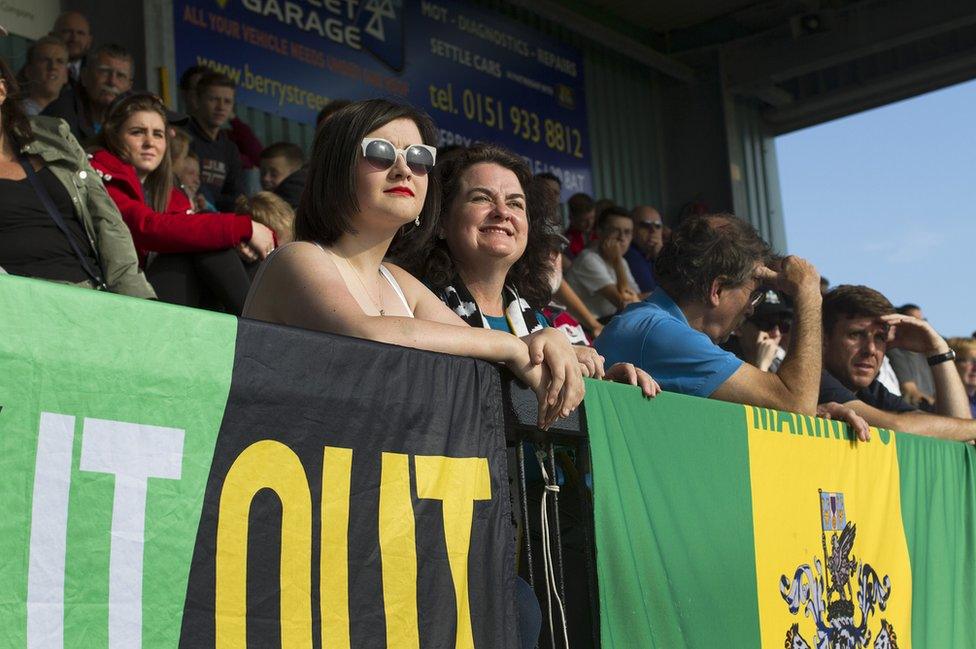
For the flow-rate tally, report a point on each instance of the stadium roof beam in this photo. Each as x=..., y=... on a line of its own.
x=860, y=30
x=611, y=39
x=884, y=90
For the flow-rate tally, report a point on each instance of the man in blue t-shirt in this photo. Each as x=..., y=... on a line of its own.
x=710, y=275
x=860, y=325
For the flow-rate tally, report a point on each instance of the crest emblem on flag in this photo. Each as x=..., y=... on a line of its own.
x=841, y=593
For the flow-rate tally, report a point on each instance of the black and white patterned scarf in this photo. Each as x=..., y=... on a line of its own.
x=521, y=317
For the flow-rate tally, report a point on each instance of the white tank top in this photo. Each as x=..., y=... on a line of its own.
x=396, y=287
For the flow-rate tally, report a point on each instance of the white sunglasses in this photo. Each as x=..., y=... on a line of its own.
x=382, y=155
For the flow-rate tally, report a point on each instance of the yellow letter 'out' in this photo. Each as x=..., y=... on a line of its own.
x=264, y=465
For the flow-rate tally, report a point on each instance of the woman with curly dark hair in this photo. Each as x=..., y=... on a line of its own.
x=491, y=260
x=488, y=257
x=56, y=220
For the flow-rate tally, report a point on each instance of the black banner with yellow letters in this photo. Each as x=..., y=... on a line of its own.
x=358, y=497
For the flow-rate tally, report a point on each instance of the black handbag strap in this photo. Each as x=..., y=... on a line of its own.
x=41, y=191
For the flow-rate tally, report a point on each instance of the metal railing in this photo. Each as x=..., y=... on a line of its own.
x=564, y=450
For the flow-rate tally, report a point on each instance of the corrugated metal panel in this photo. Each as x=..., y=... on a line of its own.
x=756, y=185
x=624, y=125
x=270, y=128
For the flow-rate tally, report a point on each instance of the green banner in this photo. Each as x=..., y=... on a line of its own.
x=109, y=420
x=724, y=525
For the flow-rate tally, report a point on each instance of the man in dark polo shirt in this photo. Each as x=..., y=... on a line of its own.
x=221, y=173
x=860, y=324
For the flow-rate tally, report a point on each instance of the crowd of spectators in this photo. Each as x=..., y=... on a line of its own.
x=106, y=187
x=461, y=251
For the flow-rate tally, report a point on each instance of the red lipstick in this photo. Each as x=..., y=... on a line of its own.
x=404, y=191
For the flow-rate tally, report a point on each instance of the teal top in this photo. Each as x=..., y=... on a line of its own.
x=500, y=323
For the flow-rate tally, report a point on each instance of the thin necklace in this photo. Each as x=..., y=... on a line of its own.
x=379, y=287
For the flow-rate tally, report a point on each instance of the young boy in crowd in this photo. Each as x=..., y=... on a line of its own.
x=221, y=173
x=187, y=170
x=283, y=171
x=186, y=167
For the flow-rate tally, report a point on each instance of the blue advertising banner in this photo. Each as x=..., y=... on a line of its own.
x=478, y=74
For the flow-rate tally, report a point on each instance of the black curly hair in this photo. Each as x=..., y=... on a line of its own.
x=435, y=265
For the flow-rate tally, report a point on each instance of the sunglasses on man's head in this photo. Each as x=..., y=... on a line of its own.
x=758, y=297
x=380, y=153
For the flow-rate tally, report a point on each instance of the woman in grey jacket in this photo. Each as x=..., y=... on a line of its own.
x=31, y=243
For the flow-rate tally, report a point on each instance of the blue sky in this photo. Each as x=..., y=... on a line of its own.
x=887, y=198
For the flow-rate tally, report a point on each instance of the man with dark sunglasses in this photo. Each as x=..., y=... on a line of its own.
x=712, y=274
x=762, y=339
x=645, y=246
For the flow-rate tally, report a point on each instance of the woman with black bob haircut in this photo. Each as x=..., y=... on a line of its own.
x=370, y=190
x=56, y=221
x=491, y=259
x=323, y=217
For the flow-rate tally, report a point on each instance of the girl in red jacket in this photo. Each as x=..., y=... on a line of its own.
x=199, y=256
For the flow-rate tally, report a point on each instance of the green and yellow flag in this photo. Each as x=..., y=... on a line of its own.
x=734, y=526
